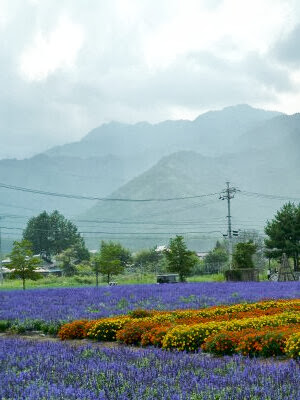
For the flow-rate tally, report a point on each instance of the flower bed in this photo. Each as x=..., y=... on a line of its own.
x=242, y=328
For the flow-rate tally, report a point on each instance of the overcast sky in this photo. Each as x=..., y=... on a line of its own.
x=68, y=66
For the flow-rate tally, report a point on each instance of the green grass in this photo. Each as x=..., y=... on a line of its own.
x=207, y=278
x=79, y=281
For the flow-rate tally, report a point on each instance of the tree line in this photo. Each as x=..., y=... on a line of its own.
x=50, y=235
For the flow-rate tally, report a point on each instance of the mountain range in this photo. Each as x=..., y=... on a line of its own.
x=256, y=150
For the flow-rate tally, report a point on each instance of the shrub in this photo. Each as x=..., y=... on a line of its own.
x=75, y=330
x=189, y=338
x=263, y=343
x=242, y=256
x=260, y=328
x=4, y=325
x=292, y=347
x=140, y=313
x=51, y=328
x=133, y=331
x=84, y=280
x=223, y=343
x=155, y=336
x=106, y=329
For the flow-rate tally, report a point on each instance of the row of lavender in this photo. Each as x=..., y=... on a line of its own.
x=50, y=370
x=54, y=305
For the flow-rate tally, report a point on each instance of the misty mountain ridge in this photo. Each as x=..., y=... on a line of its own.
x=186, y=174
x=211, y=133
x=112, y=154
x=257, y=150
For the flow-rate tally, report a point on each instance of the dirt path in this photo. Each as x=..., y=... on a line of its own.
x=41, y=337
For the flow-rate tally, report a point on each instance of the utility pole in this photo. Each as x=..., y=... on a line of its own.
x=228, y=194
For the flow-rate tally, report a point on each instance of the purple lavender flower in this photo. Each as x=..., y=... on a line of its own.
x=54, y=305
x=54, y=370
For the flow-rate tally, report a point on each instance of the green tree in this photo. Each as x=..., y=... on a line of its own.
x=242, y=255
x=255, y=237
x=23, y=264
x=96, y=264
x=111, y=260
x=148, y=259
x=284, y=233
x=216, y=258
x=180, y=259
x=118, y=252
x=50, y=234
x=67, y=259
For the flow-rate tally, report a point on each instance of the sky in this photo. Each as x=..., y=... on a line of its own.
x=68, y=66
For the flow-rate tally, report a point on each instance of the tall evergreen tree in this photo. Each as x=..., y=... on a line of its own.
x=180, y=259
x=284, y=233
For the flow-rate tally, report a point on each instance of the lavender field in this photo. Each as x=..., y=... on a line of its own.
x=53, y=371
x=34, y=369
x=54, y=305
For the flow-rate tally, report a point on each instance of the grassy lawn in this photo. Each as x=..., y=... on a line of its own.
x=77, y=281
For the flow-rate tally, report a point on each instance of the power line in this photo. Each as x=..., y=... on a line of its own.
x=269, y=196
x=137, y=222
x=80, y=197
x=149, y=233
x=116, y=233
x=15, y=206
x=96, y=198
x=203, y=237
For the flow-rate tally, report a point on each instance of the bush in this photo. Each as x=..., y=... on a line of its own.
x=83, y=280
x=155, y=336
x=29, y=325
x=189, y=338
x=140, y=313
x=292, y=347
x=4, y=325
x=242, y=255
x=75, y=330
x=106, y=329
x=262, y=344
x=223, y=343
x=133, y=331
x=51, y=328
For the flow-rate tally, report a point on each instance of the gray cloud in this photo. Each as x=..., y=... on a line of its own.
x=112, y=81
x=287, y=50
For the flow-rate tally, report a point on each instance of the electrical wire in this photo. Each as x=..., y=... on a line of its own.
x=269, y=196
x=80, y=197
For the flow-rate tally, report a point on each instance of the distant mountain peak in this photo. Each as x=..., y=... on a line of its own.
x=240, y=111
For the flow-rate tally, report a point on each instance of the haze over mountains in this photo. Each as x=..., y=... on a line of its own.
x=256, y=150
x=212, y=133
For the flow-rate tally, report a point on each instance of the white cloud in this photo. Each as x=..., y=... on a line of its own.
x=250, y=25
x=67, y=66
x=50, y=52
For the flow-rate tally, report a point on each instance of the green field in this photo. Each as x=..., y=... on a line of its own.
x=76, y=281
